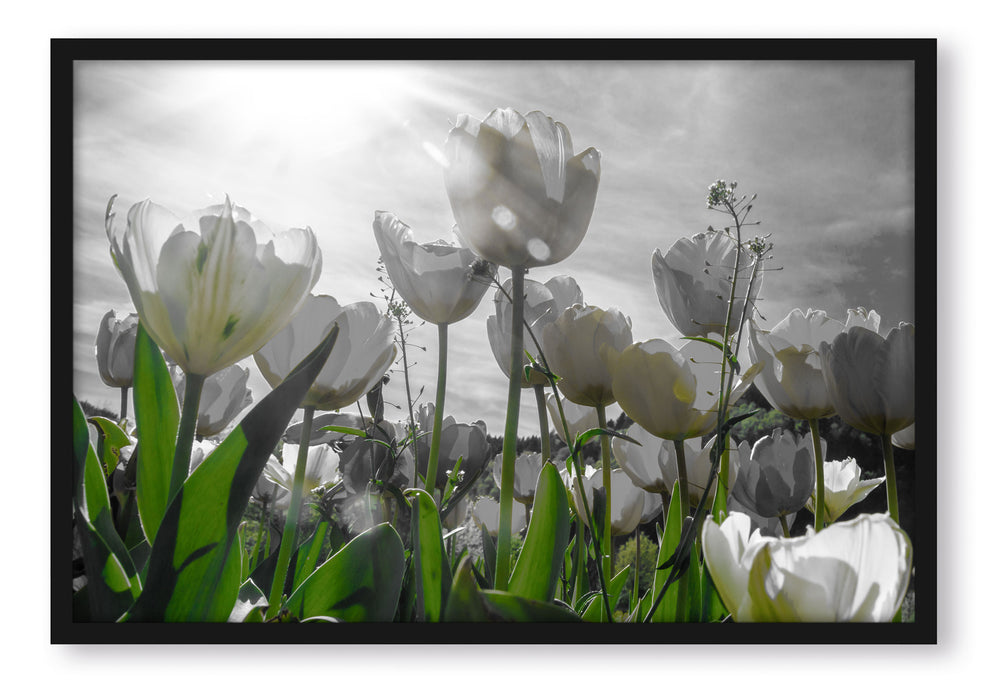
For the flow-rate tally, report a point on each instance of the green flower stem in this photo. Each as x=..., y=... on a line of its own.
x=288, y=543
x=431, y=469
x=541, y=409
x=819, y=478
x=187, y=431
x=607, y=482
x=509, y=437
x=261, y=531
x=891, y=474
x=123, y=403
x=580, y=567
x=783, y=525
x=634, y=596
x=685, y=502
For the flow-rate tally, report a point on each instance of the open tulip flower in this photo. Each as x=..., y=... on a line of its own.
x=855, y=571
x=208, y=293
x=519, y=194
x=543, y=304
x=778, y=476
x=438, y=280
x=581, y=346
x=699, y=466
x=694, y=281
x=641, y=462
x=843, y=488
x=115, y=349
x=266, y=490
x=321, y=467
x=362, y=354
x=528, y=467
x=871, y=378
x=225, y=394
x=673, y=393
x=486, y=511
x=629, y=502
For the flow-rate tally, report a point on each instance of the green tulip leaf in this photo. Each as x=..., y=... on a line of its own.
x=360, y=583
x=308, y=553
x=465, y=602
x=344, y=429
x=112, y=438
x=468, y=603
x=428, y=556
x=538, y=569
x=669, y=539
x=250, y=599
x=595, y=612
x=733, y=360
x=194, y=570
x=156, y=411
x=488, y=549
x=593, y=432
x=113, y=582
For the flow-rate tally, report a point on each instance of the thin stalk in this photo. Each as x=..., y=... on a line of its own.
x=541, y=410
x=783, y=525
x=123, y=403
x=187, y=431
x=891, y=474
x=685, y=502
x=819, y=477
x=607, y=483
x=580, y=565
x=431, y=469
x=288, y=543
x=634, y=598
x=509, y=437
x=412, y=419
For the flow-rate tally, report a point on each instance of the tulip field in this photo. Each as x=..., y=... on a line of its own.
x=208, y=503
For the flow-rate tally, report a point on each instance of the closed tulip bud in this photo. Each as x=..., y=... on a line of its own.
x=469, y=443
x=115, y=349
x=438, y=281
x=225, y=395
x=855, y=571
x=579, y=418
x=870, y=378
x=208, y=293
x=641, y=462
x=363, y=352
x=693, y=281
x=582, y=346
x=843, y=488
x=525, y=476
x=629, y=502
x=673, y=393
x=518, y=193
x=778, y=476
x=542, y=305
x=698, y=460
x=904, y=438
x=485, y=512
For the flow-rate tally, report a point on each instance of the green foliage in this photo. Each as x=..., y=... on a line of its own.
x=626, y=556
x=537, y=570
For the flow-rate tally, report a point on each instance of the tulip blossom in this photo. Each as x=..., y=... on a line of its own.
x=843, y=488
x=267, y=491
x=778, y=476
x=437, y=280
x=769, y=527
x=486, y=512
x=362, y=354
x=208, y=293
x=629, y=502
x=225, y=394
x=673, y=393
x=871, y=378
x=528, y=467
x=904, y=438
x=581, y=346
x=792, y=378
x=855, y=571
x=469, y=443
x=321, y=467
x=201, y=449
x=579, y=418
x=693, y=281
x=698, y=459
x=542, y=305
x=519, y=195
x=115, y=349
x=641, y=462
x=365, y=459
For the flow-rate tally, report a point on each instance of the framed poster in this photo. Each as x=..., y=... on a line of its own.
x=312, y=245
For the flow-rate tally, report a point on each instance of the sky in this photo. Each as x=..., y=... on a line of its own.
x=828, y=147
